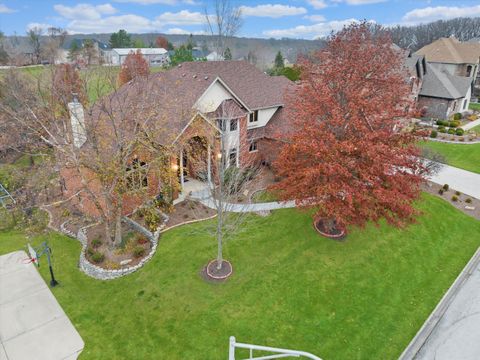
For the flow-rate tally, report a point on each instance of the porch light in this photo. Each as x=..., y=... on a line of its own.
x=174, y=167
x=219, y=156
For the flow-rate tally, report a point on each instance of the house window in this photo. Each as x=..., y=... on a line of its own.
x=253, y=147
x=253, y=117
x=232, y=157
x=464, y=104
x=233, y=125
x=222, y=124
x=137, y=175
x=469, y=70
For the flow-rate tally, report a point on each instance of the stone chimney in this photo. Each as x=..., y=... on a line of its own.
x=77, y=121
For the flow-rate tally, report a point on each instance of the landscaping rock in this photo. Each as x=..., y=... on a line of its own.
x=125, y=262
x=469, y=207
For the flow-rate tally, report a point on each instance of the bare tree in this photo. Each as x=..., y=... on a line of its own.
x=234, y=175
x=225, y=22
x=54, y=42
x=107, y=153
x=34, y=35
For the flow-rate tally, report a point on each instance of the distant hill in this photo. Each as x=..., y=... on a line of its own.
x=263, y=49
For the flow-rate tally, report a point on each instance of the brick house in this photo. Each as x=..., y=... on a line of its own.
x=197, y=101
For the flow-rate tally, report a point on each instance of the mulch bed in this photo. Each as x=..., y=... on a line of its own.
x=460, y=204
x=337, y=233
x=210, y=272
x=113, y=256
x=188, y=211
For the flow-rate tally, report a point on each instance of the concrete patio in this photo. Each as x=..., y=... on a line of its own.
x=32, y=323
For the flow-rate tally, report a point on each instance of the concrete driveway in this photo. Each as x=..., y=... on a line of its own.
x=32, y=323
x=464, y=181
x=452, y=331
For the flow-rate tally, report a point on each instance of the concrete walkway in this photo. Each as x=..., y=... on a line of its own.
x=471, y=125
x=452, y=331
x=32, y=323
x=458, y=179
x=205, y=199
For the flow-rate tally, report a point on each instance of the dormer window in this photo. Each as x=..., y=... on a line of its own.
x=253, y=117
x=469, y=70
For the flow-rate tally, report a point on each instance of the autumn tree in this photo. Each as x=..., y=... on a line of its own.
x=134, y=65
x=346, y=158
x=161, y=42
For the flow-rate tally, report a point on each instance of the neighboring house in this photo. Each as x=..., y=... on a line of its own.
x=443, y=94
x=154, y=56
x=213, y=56
x=198, y=101
x=456, y=58
x=417, y=67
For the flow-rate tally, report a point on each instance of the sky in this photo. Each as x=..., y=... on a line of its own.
x=306, y=19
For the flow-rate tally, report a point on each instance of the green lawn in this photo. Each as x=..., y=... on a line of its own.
x=362, y=299
x=474, y=106
x=462, y=156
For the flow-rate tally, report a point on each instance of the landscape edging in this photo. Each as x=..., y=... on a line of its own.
x=98, y=272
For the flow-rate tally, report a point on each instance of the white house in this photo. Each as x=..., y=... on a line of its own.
x=154, y=56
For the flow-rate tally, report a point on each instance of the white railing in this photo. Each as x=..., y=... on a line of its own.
x=280, y=353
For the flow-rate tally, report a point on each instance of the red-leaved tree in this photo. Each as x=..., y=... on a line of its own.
x=133, y=66
x=346, y=157
x=161, y=42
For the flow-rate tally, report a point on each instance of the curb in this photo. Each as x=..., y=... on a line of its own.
x=430, y=324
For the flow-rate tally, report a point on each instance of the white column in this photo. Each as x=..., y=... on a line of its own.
x=182, y=180
x=209, y=164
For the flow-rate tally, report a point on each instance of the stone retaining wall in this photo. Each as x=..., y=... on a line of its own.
x=99, y=273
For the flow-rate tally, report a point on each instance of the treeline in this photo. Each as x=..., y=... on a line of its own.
x=417, y=36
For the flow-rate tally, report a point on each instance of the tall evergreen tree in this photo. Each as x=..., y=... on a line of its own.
x=279, y=61
x=227, y=55
x=120, y=39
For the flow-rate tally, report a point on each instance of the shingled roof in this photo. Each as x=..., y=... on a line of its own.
x=441, y=84
x=168, y=97
x=451, y=51
x=254, y=88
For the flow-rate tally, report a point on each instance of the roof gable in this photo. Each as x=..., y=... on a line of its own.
x=441, y=84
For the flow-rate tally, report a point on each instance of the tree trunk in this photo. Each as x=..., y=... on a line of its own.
x=118, y=229
x=219, y=241
x=108, y=234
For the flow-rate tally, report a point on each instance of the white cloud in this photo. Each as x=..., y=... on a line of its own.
x=272, y=10
x=131, y=23
x=163, y=2
x=179, y=31
x=440, y=13
x=42, y=26
x=84, y=11
x=315, y=18
x=360, y=2
x=317, y=4
x=310, y=31
x=183, y=17
x=4, y=9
